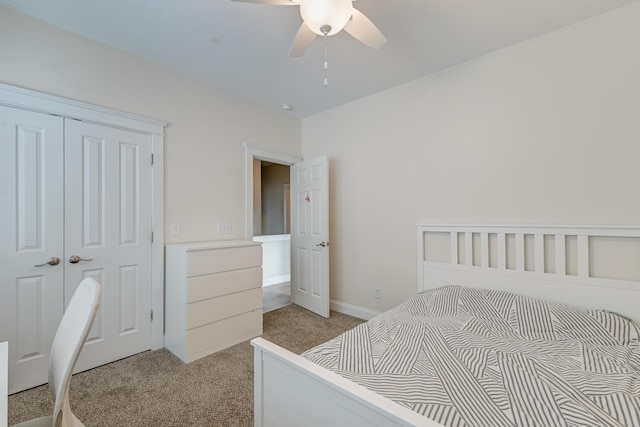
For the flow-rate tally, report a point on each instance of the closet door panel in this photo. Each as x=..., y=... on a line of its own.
x=31, y=237
x=108, y=226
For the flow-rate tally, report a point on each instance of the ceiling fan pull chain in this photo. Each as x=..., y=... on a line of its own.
x=326, y=62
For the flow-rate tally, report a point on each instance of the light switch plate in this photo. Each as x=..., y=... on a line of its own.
x=175, y=229
x=224, y=228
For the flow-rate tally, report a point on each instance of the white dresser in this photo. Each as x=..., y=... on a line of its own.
x=213, y=296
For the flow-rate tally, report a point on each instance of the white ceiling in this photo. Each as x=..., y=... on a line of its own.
x=243, y=48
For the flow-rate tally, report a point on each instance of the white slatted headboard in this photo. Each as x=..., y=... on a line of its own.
x=593, y=267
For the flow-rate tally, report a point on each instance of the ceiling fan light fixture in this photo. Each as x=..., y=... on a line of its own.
x=321, y=13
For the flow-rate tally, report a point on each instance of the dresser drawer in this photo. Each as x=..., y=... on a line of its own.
x=210, y=261
x=218, y=284
x=214, y=309
x=212, y=337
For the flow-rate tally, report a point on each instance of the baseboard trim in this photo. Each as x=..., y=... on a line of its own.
x=353, y=310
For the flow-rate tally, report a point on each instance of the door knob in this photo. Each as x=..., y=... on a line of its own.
x=74, y=259
x=54, y=260
x=323, y=244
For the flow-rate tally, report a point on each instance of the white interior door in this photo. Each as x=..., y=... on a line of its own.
x=108, y=235
x=31, y=233
x=310, y=235
x=69, y=188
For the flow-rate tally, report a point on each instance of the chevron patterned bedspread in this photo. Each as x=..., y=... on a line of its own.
x=474, y=357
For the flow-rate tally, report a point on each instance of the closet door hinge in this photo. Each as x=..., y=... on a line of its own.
x=151, y=314
x=151, y=159
x=152, y=237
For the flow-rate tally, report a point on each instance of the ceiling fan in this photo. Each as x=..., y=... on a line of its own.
x=326, y=18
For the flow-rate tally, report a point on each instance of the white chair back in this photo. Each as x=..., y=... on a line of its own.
x=67, y=345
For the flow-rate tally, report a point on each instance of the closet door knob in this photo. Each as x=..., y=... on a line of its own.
x=74, y=259
x=54, y=260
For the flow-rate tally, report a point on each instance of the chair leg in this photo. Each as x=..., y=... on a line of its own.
x=66, y=418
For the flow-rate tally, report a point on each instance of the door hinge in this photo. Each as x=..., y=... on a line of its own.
x=152, y=237
x=151, y=315
x=151, y=159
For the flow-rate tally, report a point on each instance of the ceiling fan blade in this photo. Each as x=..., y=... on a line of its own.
x=274, y=2
x=303, y=40
x=361, y=28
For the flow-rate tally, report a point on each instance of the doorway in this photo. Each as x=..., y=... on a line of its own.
x=271, y=227
x=279, y=292
x=309, y=219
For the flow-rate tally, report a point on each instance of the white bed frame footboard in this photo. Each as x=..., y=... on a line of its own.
x=567, y=264
x=290, y=391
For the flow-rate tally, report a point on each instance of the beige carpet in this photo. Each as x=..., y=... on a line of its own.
x=156, y=389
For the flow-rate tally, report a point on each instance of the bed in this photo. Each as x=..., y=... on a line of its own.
x=504, y=277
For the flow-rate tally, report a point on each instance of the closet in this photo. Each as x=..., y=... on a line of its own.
x=75, y=201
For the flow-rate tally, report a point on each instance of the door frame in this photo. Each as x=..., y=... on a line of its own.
x=16, y=97
x=254, y=152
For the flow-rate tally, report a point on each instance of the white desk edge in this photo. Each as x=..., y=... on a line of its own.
x=4, y=374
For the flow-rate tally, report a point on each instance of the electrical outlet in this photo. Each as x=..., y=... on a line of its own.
x=224, y=228
x=377, y=293
x=175, y=229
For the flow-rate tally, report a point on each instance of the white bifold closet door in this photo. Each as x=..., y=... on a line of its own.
x=75, y=202
x=32, y=233
x=108, y=227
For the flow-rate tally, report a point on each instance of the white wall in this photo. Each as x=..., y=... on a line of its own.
x=273, y=198
x=276, y=258
x=204, y=153
x=257, y=197
x=545, y=131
